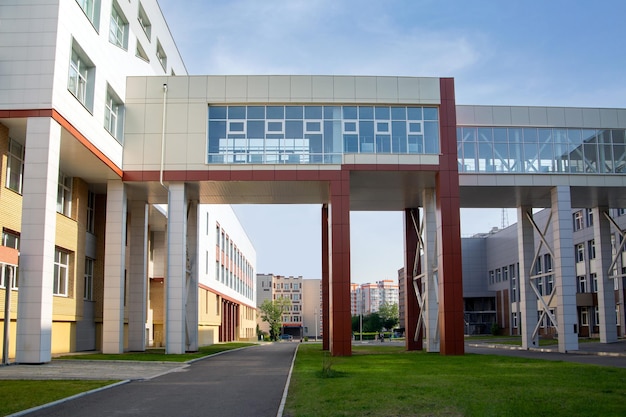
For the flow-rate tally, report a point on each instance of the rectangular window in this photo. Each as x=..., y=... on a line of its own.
x=91, y=212
x=61, y=266
x=9, y=273
x=142, y=16
x=81, y=77
x=584, y=316
x=217, y=270
x=161, y=56
x=578, y=220
x=118, y=28
x=15, y=166
x=582, y=284
x=88, y=288
x=91, y=8
x=591, y=248
x=498, y=275
x=113, y=114
x=492, y=276
x=594, y=282
x=596, y=313
x=621, y=211
x=64, y=195
x=589, y=216
x=549, y=284
x=505, y=273
x=514, y=320
x=580, y=252
x=206, y=267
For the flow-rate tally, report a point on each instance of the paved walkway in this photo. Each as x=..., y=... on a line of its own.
x=244, y=382
x=594, y=353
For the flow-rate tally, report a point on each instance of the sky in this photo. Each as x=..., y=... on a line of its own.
x=531, y=53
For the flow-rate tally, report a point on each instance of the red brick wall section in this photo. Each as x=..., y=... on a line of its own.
x=325, y=279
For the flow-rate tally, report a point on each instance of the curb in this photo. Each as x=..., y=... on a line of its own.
x=281, y=408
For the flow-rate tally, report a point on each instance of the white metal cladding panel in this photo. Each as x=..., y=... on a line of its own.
x=575, y=117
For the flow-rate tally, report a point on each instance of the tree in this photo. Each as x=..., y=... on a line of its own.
x=372, y=323
x=272, y=313
x=389, y=315
x=356, y=323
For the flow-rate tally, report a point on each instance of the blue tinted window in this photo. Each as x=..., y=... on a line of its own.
x=382, y=127
x=217, y=112
x=313, y=126
x=349, y=112
x=414, y=113
x=275, y=126
x=415, y=127
x=235, y=127
x=275, y=112
x=350, y=143
x=431, y=113
x=293, y=129
x=382, y=113
x=366, y=113
x=383, y=143
x=256, y=112
x=366, y=128
x=256, y=129
x=499, y=134
x=332, y=112
x=349, y=126
x=312, y=112
x=398, y=113
x=236, y=112
x=431, y=132
x=530, y=135
x=293, y=112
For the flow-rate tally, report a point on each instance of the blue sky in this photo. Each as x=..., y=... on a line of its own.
x=535, y=52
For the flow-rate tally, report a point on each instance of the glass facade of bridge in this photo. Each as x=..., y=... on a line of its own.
x=309, y=134
x=541, y=150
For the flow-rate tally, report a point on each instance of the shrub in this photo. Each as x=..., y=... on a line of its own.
x=495, y=329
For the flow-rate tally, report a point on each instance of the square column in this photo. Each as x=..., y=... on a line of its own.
x=528, y=298
x=176, y=277
x=565, y=268
x=37, y=240
x=606, y=293
x=191, y=305
x=430, y=268
x=340, y=314
x=114, y=268
x=137, y=276
x=325, y=279
x=412, y=268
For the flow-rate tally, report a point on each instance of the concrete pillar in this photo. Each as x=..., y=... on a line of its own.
x=114, y=268
x=411, y=270
x=137, y=275
x=341, y=319
x=606, y=292
x=192, y=277
x=37, y=241
x=528, y=298
x=175, y=280
x=431, y=303
x=325, y=279
x=565, y=268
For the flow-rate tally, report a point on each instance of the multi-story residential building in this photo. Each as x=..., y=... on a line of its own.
x=354, y=302
x=401, y=300
x=369, y=297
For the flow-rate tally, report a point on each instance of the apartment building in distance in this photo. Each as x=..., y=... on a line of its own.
x=369, y=297
x=304, y=316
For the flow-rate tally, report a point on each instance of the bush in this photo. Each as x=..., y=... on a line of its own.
x=495, y=329
x=306, y=338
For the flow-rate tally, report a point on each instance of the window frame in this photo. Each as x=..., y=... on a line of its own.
x=88, y=279
x=64, y=195
x=81, y=76
x=118, y=27
x=91, y=212
x=61, y=272
x=114, y=114
x=14, y=159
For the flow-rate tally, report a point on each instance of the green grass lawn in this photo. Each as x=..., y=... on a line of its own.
x=159, y=354
x=22, y=395
x=385, y=381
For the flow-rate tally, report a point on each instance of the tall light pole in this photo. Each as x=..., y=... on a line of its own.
x=316, y=324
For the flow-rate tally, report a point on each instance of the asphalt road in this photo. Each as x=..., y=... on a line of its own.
x=247, y=382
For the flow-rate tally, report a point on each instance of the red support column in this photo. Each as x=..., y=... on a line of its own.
x=449, y=229
x=325, y=280
x=411, y=269
x=341, y=320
